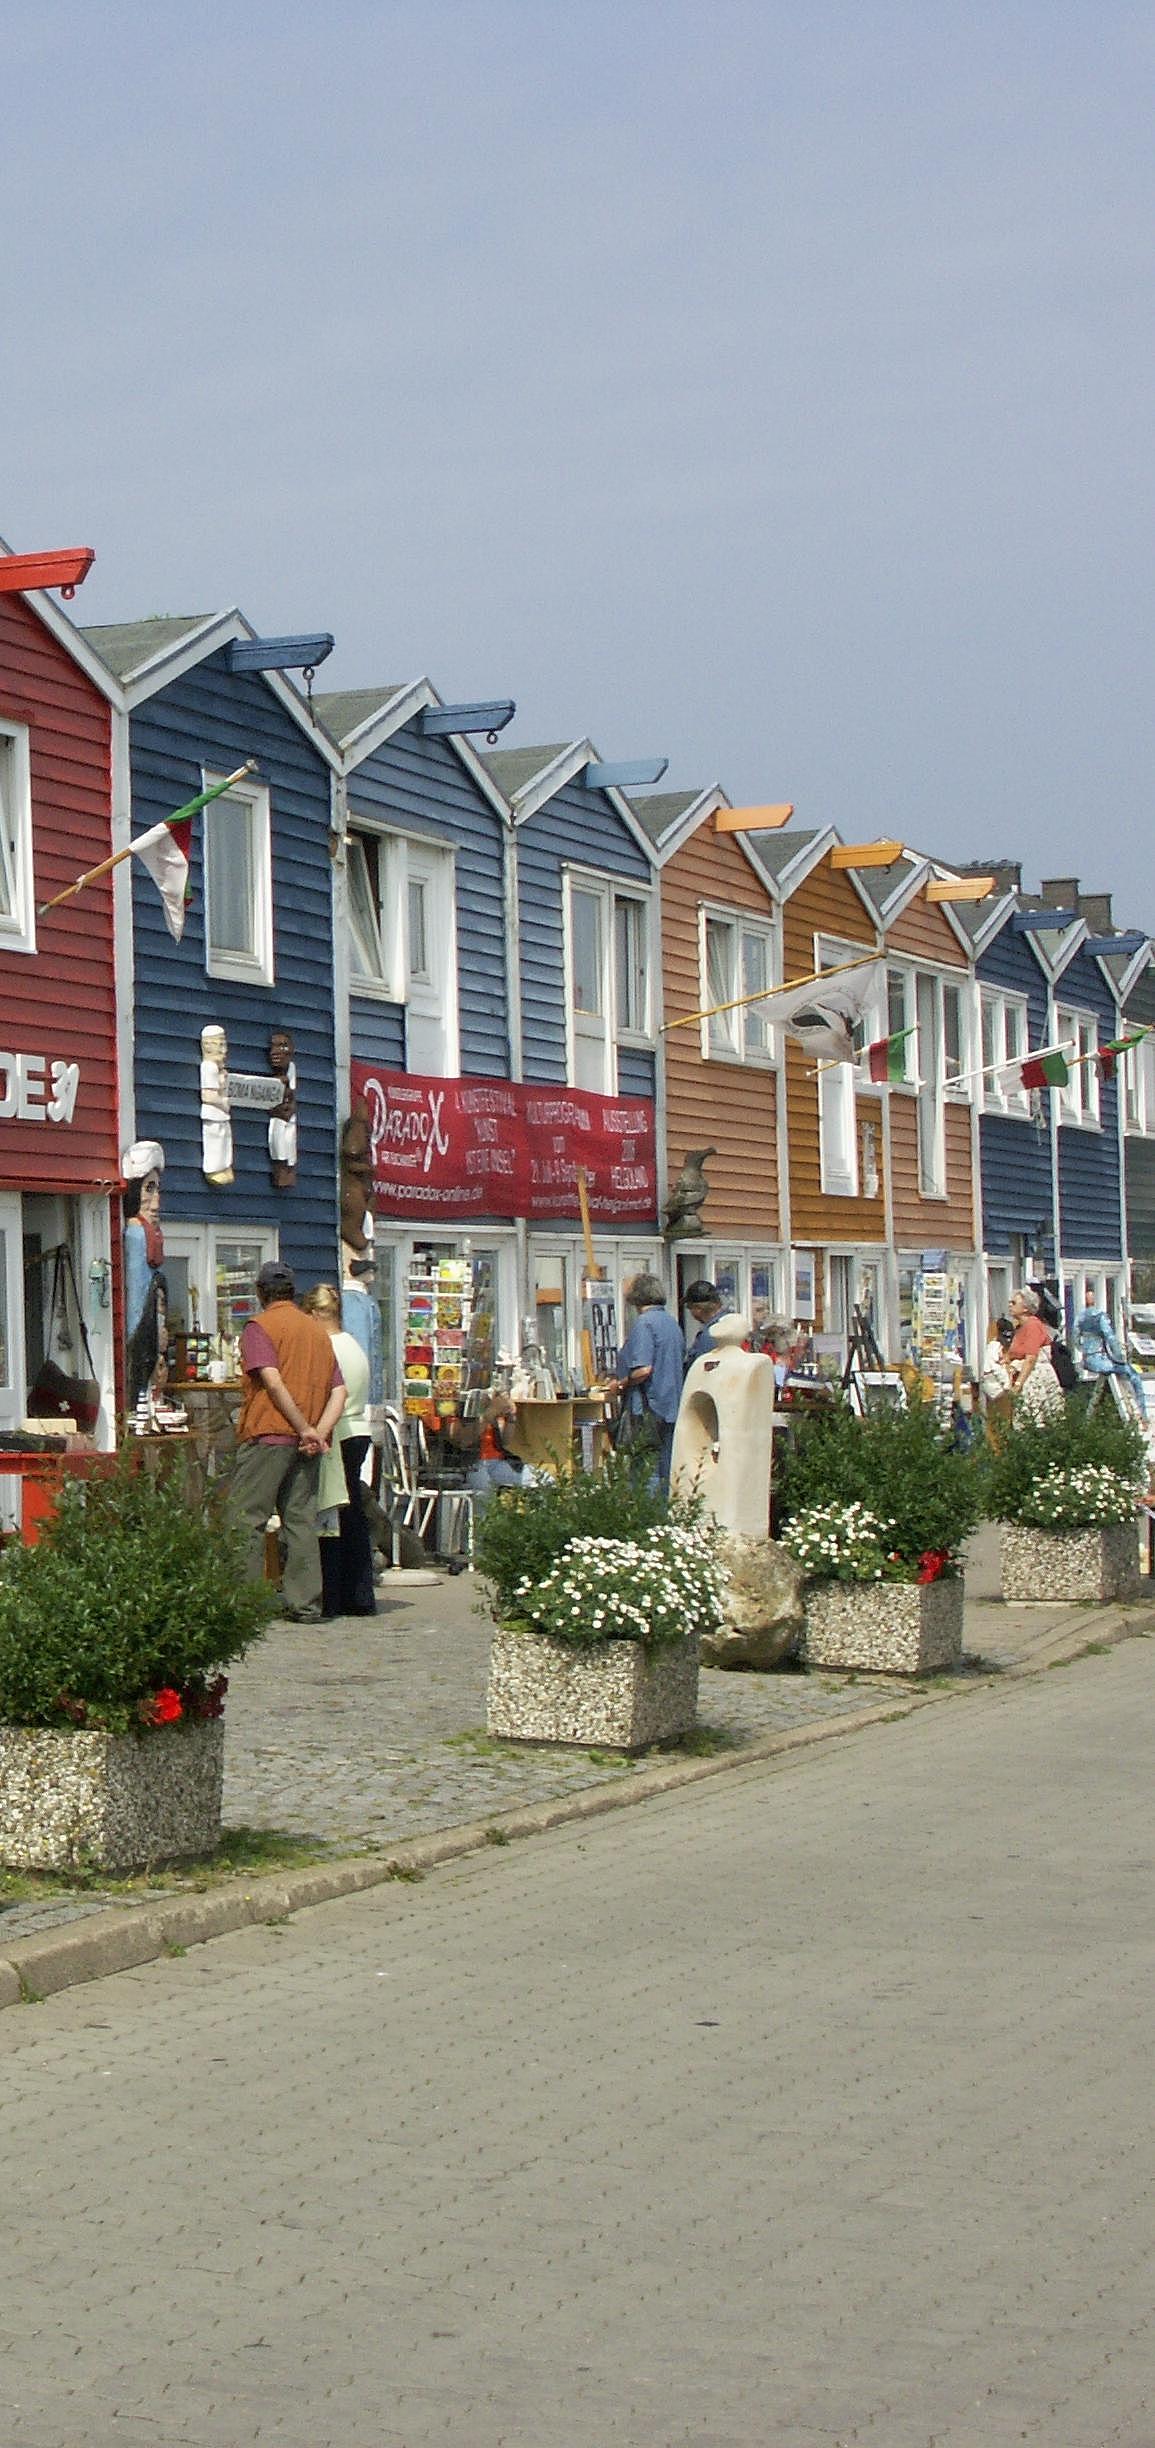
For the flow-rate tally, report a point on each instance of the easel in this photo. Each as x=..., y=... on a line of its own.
x=1126, y=1402
x=863, y=1356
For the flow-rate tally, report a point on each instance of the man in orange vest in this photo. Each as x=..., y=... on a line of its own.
x=294, y=1396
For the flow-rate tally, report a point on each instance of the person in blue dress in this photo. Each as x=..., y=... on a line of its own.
x=1101, y=1350
x=650, y=1368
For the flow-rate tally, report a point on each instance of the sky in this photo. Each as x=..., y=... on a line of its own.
x=766, y=386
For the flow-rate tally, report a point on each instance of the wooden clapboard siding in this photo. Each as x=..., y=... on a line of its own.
x=1089, y=1161
x=731, y=1107
x=918, y=1222
x=825, y=904
x=1014, y=1152
x=923, y=932
x=1139, y=1151
x=216, y=718
x=60, y=1001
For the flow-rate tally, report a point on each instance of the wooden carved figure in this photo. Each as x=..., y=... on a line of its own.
x=216, y=1120
x=283, y=1118
x=356, y=1181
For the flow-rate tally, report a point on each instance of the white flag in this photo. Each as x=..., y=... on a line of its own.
x=165, y=852
x=825, y=1013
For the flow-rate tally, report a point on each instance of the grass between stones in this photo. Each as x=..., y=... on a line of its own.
x=243, y=1853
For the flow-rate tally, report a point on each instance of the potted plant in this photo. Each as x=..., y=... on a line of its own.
x=876, y=1511
x=114, y=1634
x=1066, y=1494
x=601, y=1593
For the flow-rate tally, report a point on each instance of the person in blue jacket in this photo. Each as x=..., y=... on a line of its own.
x=650, y=1368
x=1101, y=1350
x=702, y=1305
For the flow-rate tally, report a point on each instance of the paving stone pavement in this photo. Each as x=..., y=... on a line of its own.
x=807, y=2108
x=367, y=1732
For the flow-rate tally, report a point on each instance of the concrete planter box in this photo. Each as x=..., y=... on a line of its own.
x=1069, y=1567
x=618, y=1695
x=115, y=1802
x=884, y=1627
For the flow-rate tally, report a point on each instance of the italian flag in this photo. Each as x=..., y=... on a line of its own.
x=1047, y=1069
x=167, y=849
x=1108, y=1054
x=886, y=1058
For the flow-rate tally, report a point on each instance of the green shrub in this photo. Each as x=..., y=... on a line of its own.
x=522, y=1532
x=131, y=1596
x=1077, y=1439
x=901, y=1465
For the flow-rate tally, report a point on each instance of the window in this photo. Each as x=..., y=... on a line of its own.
x=1137, y=1074
x=899, y=1016
x=954, y=1040
x=1078, y=1034
x=17, y=905
x=1004, y=1038
x=735, y=961
x=931, y=1131
x=238, y=884
x=401, y=896
x=606, y=949
x=838, y=1129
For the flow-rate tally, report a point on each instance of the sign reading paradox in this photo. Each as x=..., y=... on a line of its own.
x=474, y=1147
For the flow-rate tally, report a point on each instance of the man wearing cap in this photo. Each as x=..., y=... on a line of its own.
x=294, y=1396
x=702, y=1304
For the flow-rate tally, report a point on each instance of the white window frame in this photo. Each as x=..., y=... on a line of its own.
x=17, y=924
x=255, y=968
x=1009, y=1014
x=405, y=859
x=1136, y=1075
x=606, y=1027
x=1079, y=1098
x=744, y=1035
x=196, y=1244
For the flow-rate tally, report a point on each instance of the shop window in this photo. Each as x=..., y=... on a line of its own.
x=17, y=911
x=736, y=961
x=1078, y=1034
x=239, y=884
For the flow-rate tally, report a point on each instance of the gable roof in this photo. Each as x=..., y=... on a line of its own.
x=660, y=812
x=773, y=853
x=126, y=646
x=514, y=768
x=344, y=711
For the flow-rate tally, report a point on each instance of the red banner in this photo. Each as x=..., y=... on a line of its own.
x=452, y=1149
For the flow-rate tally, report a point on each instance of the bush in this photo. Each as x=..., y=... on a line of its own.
x=1029, y=1459
x=128, y=1609
x=654, y=1588
x=522, y=1532
x=901, y=1465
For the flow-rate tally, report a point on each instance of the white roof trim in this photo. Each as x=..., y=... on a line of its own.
x=796, y=870
x=680, y=829
x=1053, y=965
x=66, y=634
x=1132, y=973
x=219, y=629
x=544, y=785
x=391, y=715
x=993, y=924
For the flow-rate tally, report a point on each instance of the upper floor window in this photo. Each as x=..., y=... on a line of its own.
x=403, y=938
x=1078, y=1034
x=1137, y=1073
x=1004, y=1035
x=607, y=977
x=736, y=961
x=17, y=906
x=239, y=884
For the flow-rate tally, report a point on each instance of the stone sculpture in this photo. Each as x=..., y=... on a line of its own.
x=723, y=1444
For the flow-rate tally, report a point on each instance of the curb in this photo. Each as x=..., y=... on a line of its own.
x=111, y=1941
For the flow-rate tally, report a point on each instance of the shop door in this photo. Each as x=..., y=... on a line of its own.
x=11, y=1314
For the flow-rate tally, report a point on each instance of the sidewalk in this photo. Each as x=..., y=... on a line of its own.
x=363, y=1735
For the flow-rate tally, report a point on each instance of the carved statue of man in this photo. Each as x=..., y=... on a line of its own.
x=216, y=1117
x=283, y=1118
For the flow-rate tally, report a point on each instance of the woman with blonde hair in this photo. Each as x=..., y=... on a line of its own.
x=347, y=1559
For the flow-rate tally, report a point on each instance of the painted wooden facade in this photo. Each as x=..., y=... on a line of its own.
x=1017, y=1172
x=59, y=1110
x=824, y=917
x=190, y=717
x=1138, y=1012
x=923, y=935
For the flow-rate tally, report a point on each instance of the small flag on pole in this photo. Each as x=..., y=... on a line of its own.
x=1108, y=1054
x=886, y=1058
x=1047, y=1069
x=165, y=851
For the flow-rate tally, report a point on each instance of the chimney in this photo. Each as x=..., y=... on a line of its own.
x=1008, y=873
x=1060, y=892
x=1096, y=909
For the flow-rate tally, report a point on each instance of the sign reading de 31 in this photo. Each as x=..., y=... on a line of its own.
x=37, y=1088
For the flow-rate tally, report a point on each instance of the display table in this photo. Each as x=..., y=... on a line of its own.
x=545, y=1433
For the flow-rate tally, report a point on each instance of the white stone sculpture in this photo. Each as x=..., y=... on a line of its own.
x=723, y=1444
x=216, y=1113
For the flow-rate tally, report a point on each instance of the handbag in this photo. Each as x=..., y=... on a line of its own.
x=635, y=1431
x=56, y=1394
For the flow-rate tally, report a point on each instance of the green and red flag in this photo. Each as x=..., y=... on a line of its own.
x=165, y=850
x=1046, y=1069
x=1108, y=1054
x=886, y=1058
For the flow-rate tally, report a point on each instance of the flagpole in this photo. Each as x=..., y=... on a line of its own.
x=813, y=977
x=178, y=816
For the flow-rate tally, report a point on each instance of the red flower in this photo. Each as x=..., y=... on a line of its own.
x=933, y=1564
x=163, y=1708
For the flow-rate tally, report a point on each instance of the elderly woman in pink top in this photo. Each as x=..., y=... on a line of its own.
x=1038, y=1394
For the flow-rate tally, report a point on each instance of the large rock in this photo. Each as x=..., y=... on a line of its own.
x=766, y=1611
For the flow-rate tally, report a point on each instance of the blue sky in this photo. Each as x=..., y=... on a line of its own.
x=765, y=386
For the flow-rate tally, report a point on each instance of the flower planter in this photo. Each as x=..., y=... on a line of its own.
x=1069, y=1567
x=885, y=1627
x=618, y=1694
x=112, y=1802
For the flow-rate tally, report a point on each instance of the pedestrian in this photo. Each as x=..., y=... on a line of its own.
x=1101, y=1349
x=347, y=1559
x=1038, y=1396
x=649, y=1374
x=703, y=1303
x=995, y=1382
x=294, y=1396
